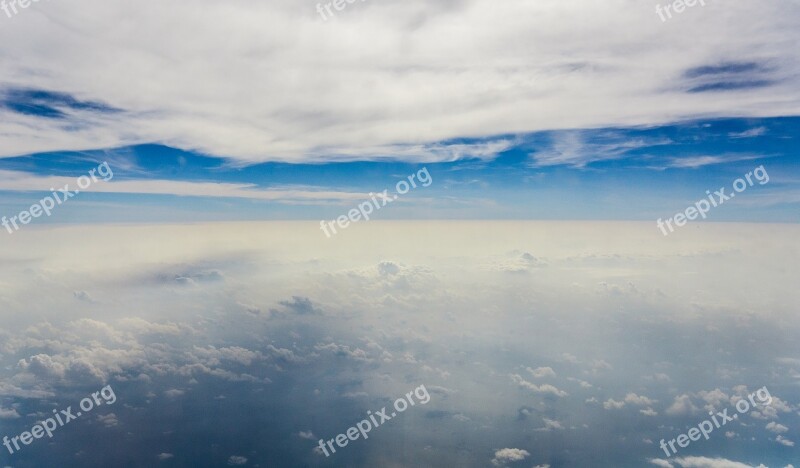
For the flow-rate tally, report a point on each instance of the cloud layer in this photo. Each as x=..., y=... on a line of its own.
x=260, y=338
x=391, y=79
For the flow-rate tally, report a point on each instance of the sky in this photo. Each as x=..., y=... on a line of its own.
x=256, y=224
x=232, y=111
x=642, y=173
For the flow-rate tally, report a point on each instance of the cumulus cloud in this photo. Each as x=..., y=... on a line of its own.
x=612, y=404
x=681, y=406
x=776, y=428
x=425, y=317
x=649, y=412
x=545, y=388
x=507, y=455
x=8, y=413
x=551, y=425
x=631, y=399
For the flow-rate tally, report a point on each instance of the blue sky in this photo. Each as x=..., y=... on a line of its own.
x=638, y=173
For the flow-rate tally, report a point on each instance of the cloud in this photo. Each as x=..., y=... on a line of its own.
x=329, y=94
x=751, y=133
x=236, y=460
x=649, y=412
x=551, y=425
x=23, y=181
x=632, y=399
x=681, y=406
x=506, y=455
x=457, y=328
x=545, y=388
x=784, y=441
x=165, y=456
x=581, y=147
x=704, y=462
x=8, y=413
x=776, y=428
x=661, y=463
x=334, y=349
x=694, y=162
x=612, y=404
x=714, y=399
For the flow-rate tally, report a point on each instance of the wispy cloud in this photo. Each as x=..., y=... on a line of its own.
x=579, y=148
x=694, y=162
x=25, y=182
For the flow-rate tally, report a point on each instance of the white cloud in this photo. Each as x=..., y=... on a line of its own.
x=649, y=412
x=681, y=406
x=552, y=425
x=612, y=404
x=753, y=132
x=715, y=399
x=704, y=462
x=290, y=86
x=22, y=181
x=503, y=456
x=8, y=413
x=776, y=428
x=638, y=400
x=544, y=388
x=661, y=463
x=632, y=399
x=784, y=441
